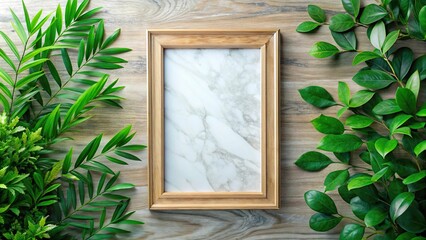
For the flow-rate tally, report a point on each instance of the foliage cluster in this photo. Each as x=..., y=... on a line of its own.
x=379, y=133
x=50, y=82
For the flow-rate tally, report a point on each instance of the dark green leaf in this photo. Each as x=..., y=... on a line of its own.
x=344, y=93
x=113, y=51
x=360, y=98
x=341, y=22
x=373, y=79
x=313, y=161
x=372, y=13
x=359, y=207
x=413, y=83
x=352, y=7
x=317, y=96
x=406, y=100
x=80, y=53
x=402, y=61
x=400, y=204
x=346, y=40
x=316, y=13
x=375, y=216
x=320, y=202
x=352, y=232
x=67, y=61
x=104, y=65
x=307, y=26
x=323, y=50
x=328, y=125
x=390, y=40
x=323, y=222
x=335, y=179
x=412, y=220
x=340, y=143
x=419, y=65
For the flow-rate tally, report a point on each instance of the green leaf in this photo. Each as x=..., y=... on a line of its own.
x=323, y=222
x=11, y=45
x=335, y=179
x=398, y=121
x=379, y=174
x=375, y=216
x=415, y=177
x=352, y=232
x=116, y=160
x=346, y=40
x=317, y=96
x=422, y=19
x=340, y=143
x=341, y=22
x=360, y=98
x=323, y=50
x=67, y=162
x=412, y=220
x=67, y=61
x=80, y=56
x=18, y=27
x=378, y=35
x=28, y=79
x=352, y=7
x=54, y=73
x=328, y=125
x=385, y=146
x=33, y=64
x=406, y=100
x=7, y=59
x=400, y=204
x=320, y=202
x=402, y=61
x=406, y=236
x=90, y=42
x=359, y=207
x=358, y=121
x=313, y=161
x=421, y=147
x=111, y=39
x=104, y=65
x=364, y=56
x=307, y=26
x=386, y=107
x=390, y=41
x=413, y=83
x=110, y=59
x=121, y=186
x=113, y=51
x=372, y=13
x=344, y=93
x=359, y=182
x=58, y=17
x=316, y=13
x=373, y=79
x=122, y=134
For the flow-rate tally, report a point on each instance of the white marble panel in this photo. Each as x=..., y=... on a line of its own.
x=212, y=120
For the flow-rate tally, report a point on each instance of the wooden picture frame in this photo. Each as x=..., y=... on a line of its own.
x=267, y=42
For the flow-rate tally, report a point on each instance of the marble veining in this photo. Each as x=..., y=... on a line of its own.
x=212, y=120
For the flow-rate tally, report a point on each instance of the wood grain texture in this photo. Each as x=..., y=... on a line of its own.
x=298, y=70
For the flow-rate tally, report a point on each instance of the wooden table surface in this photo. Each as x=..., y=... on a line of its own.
x=298, y=70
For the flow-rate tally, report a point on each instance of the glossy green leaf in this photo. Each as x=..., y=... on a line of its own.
x=385, y=146
x=352, y=6
x=346, y=40
x=421, y=147
x=113, y=51
x=115, y=141
x=328, y=125
x=11, y=44
x=372, y=13
x=412, y=220
x=406, y=100
x=320, y=202
x=373, y=79
x=360, y=98
x=341, y=22
x=121, y=186
x=321, y=222
x=340, y=143
x=358, y=121
x=378, y=35
x=359, y=207
x=335, y=179
x=398, y=121
x=352, y=232
x=375, y=216
x=307, y=26
x=317, y=96
x=323, y=50
x=380, y=174
x=81, y=53
x=422, y=19
x=413, y=83
x=364, y=56
x=386, y=107
x=313, y=161
x=359, y=182
x=317, y=13
x=67, y=61
x=400, y=204
x=415, y=177
x=390, y=40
